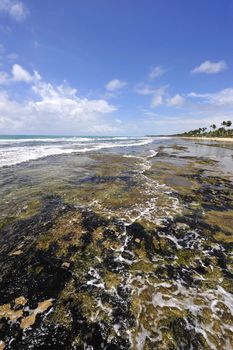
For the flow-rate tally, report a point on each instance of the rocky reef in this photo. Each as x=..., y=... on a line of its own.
x=132, y=253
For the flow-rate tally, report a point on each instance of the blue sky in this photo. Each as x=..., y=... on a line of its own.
x=116, y=67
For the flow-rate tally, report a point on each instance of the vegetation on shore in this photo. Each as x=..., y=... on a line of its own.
x=223, y=131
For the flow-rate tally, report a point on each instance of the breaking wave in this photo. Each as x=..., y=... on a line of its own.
x=18, y=150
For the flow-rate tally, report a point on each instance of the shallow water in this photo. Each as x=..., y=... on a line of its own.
x=127, y=247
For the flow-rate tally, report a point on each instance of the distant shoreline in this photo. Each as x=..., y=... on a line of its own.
x=228, y=139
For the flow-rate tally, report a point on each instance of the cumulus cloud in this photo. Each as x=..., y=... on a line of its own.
x=19, y=74
x=64, y=102
x=115, y=85
x=156, y=72
x=209, y=67
x=15, y=9
x=56, y=109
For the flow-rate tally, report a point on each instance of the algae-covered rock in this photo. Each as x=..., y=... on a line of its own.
x=126, y=253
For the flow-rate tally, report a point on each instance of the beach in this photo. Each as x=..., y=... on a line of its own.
x=220, y=139
x=115, y=243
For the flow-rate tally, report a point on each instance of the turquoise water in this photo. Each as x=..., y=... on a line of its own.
x=16, y=149
x=25, y=137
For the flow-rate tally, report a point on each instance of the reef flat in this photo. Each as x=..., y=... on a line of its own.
x=117, y=251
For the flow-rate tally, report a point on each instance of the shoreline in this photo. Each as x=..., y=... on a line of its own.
x=228, y=139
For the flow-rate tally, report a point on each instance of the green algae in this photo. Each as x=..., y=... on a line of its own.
x=6, y=221
x=64, y=233
x=223, y=237
x=180, y=258
x=224, y=221
x=111, y=279
x=60, y=312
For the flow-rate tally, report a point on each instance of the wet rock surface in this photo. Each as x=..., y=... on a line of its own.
x=90, y=267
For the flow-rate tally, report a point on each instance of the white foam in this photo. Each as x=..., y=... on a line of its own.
x=18, y=154
x=141, y=338
x=153, y=154
x=171, y=238
x=64, y=139
x=152, y=192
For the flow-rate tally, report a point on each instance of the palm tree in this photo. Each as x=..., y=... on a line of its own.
x=221, y=131
x=228, y=123
x=224, y=123
x=213, y=126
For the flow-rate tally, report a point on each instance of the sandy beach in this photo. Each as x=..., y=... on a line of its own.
x=227, y=139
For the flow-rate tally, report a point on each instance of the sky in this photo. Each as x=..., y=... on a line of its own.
x=115, y=67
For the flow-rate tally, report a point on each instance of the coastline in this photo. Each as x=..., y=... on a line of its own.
x=228, y=139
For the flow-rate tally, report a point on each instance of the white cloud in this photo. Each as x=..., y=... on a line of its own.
x=159, y=95
x=196, y=110
x=18, y=74
x=115, y=85
x=157, y=100
x=143, y=89
x=209, y=67
x=63, y=101
x=176, y=100
x=221, y=98
x=14, y=8
x=56, y=109
x=156, y=72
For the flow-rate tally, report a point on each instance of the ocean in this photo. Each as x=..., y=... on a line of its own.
x=16, y=149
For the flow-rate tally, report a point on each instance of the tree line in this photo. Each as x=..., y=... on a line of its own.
x=223, y=131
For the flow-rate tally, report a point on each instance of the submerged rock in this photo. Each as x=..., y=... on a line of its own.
x=81, y=276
